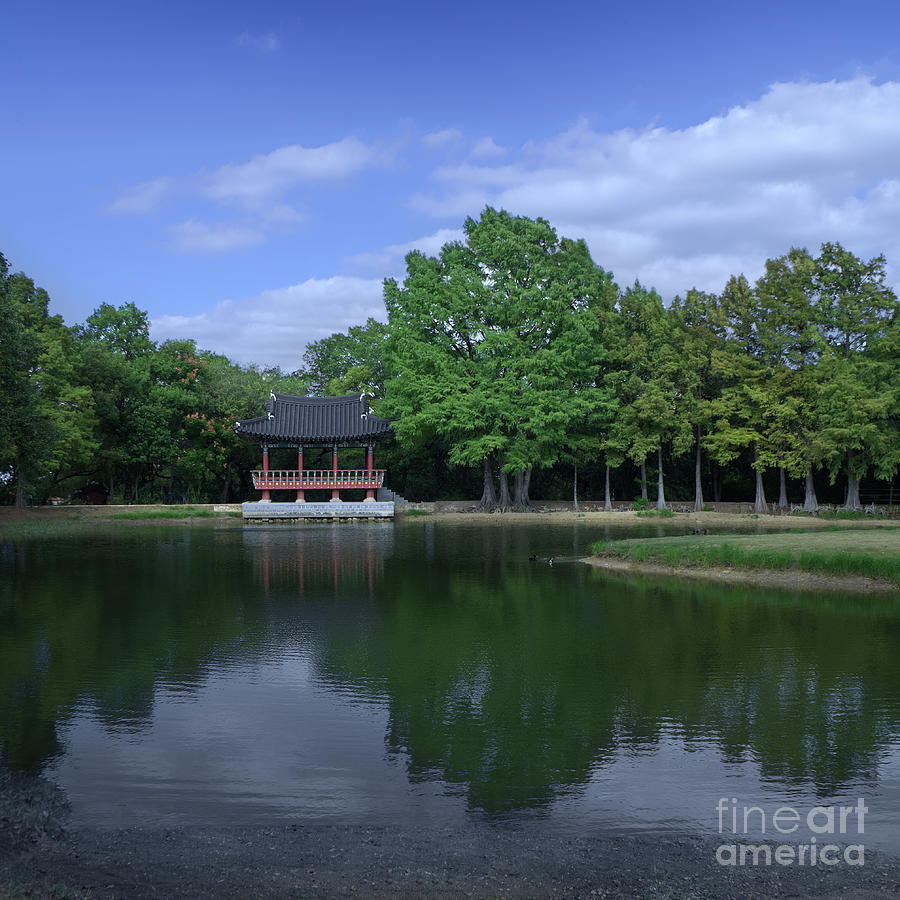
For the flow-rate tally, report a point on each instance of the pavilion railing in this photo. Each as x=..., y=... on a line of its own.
x=317, y=479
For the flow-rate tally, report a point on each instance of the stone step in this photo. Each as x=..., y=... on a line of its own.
x=386, y=495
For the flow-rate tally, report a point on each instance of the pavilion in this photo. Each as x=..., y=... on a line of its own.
x=313, y=423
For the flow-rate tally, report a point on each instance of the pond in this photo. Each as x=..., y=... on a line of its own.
x=430, y=671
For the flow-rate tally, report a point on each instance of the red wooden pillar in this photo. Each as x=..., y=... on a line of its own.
x=265, y=449
x=301, y=495
x=335, y=493
x=370, y=467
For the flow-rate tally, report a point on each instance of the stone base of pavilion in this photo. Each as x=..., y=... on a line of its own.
x=269, y=511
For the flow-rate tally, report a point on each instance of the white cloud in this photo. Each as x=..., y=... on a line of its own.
x=436, y=139
x=142, y=198
x=389, y=260
x=259, y=187
x=270, y=175
x=218, y=237
x=804, y=163
x=485, y=147
x=274, y=327
x=265, y=43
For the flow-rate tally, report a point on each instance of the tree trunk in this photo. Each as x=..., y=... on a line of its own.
x=810, y=503
x=644, y=479
x=227, y=481
x=607, y=497
x=20, y=482
x=759, y=505
x=504, y=501
x=488, y=497
x=782, y=493
x=575, y=488
x=698, y=489
x=521, y=500
x=660, y=496
x=852, y=485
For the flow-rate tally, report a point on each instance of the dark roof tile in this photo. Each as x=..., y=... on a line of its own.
x=313, y=419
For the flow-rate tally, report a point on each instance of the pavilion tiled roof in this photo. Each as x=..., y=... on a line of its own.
x=315, y=419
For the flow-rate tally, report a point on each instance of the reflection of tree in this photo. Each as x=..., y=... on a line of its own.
x=514, y=684
x=510, y=681
x=103, y=620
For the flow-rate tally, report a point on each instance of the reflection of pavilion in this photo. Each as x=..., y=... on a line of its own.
x=317, y=423
x=319, y=560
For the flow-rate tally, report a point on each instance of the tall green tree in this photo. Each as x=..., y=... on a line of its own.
x=25, y=431
x=650, y=375
x=701, y=328
x=746, y=410
x=788, y=343
x=858, y=399
x=495, y=346
x=114, y=353
x=45, y=415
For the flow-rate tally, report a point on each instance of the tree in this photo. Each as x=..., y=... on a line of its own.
x=45, y=416
x=23, y=430
x=746, y=411
x=124, y=330
x=789, y=342
x=650, y=376
x=858, y=400
x=347, y=363
x=494, y=346
x=700, y=318
x=114, y=353
x=212, y=459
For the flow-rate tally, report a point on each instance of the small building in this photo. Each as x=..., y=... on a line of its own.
x=307, y=423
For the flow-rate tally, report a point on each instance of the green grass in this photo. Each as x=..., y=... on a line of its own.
x=655, y=513
x=50, y=528
x=417, y=512
x=873, y=553
x=69, y=522
x=176, y=512
x=849, y=514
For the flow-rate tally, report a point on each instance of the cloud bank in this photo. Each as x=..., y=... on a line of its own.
x=678, y=208
x=274, y=327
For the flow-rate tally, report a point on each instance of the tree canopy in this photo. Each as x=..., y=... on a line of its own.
x=493, y=345
x=509, y=354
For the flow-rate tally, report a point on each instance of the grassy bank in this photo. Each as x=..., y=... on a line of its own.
x=175, y=512
x=837, y=551
x=53, y=521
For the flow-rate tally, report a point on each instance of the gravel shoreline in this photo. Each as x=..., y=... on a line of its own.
x=41, y=857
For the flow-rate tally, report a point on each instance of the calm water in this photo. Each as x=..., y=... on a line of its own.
x=421, y=671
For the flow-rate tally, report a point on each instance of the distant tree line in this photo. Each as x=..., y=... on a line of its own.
x=510, y=361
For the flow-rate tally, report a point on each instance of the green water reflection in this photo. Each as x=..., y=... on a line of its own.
x=508, y=682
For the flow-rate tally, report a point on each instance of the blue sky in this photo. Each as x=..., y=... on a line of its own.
x=248, y=173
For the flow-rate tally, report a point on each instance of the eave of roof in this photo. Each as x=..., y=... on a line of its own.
x=323, y=419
